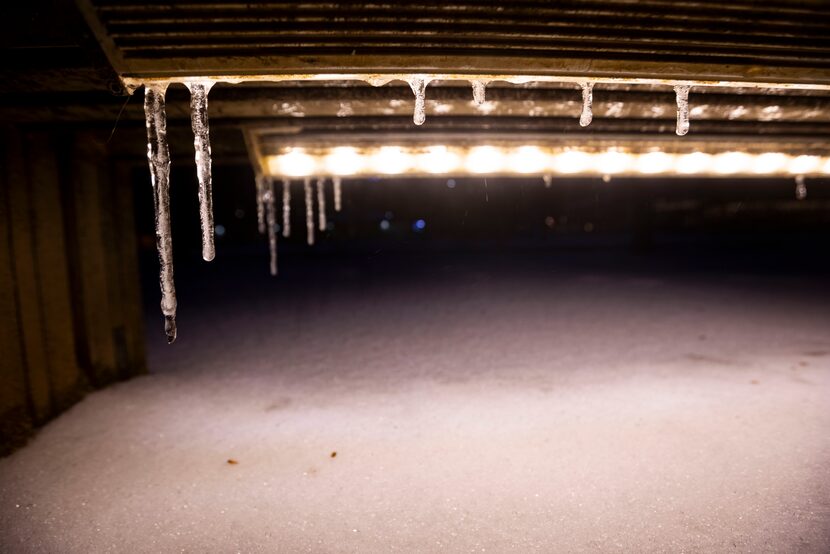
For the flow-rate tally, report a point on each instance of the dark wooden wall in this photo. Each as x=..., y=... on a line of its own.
x=69, y=290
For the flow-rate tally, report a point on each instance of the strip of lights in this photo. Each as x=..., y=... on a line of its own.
x=346, y=161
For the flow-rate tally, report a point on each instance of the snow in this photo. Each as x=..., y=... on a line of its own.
x=493, y=406
x=158, y=156
x=201, y=142
x=587, y=115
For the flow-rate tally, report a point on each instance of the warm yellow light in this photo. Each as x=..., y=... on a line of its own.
x=573, y=161
x=729, y=163
x=438, y=159
x=689, y=164
x=391, y=161
x=527, y=159
x=295, y=163
x=343, y=160
x=654, y=162
x=484, y=159
x=826, y=167
x=770, y=162
x=804, y=164
x=612, y=162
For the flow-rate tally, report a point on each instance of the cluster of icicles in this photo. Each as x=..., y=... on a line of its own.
x=158, y=155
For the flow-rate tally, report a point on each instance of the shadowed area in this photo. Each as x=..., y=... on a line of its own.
x=531, y=399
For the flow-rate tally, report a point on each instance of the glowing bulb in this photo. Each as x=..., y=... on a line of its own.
x=343, y=160
x=731, y=162
x=295, y=163
x=438, y=159
x=391, y=161
x=654, y=162
x=697, y=162
x=527, y=159
x=572, y=162
x=611, y=162
x=484, y=159
x=769, y=162
x=804, y=164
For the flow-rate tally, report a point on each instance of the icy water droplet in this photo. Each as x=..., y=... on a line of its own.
x=309, y=211
x=338, y=193
x=321, y=203
x=587, y=114
x=682, y=97
x=286, y=208
x=201, y=143
x=479, y=88
x=418, y=86
x=158, y=156
x=800, y=187
x=271, y=222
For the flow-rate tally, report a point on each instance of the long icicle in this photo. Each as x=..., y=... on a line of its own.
x=286, y=208
x=587, y=114
x=158, y=156
x=337, y=183
x=418, y=86
x=201, y=142
x=479, y=89
x=271, y=222
x=321, y=202
x=682, y=98
x=260, y=207
x=309, y=211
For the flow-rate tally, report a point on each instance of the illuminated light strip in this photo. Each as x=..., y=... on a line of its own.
x=345, y=161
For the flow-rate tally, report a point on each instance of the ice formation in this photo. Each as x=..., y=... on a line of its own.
x=260, y=207
x=338, y=193
x=309, y=211
x=271, y=222
x=682, y=97
x=800, y=187
x=548, y=179
x=201, y=142
x=587, y=114
x=478, y=91
x=321, y=202
x=418, y=86
x=286, y=208
x=158, y=155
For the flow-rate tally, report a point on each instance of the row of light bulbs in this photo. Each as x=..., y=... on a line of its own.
x=525, y=160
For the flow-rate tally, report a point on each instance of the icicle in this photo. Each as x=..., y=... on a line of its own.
x=309, y=211
x=158, y=156
x=260, y=207
x=478, y=91
x=201, y=142
x=321, y=202
x=800, y=187
x=587, y=114
x=286, y=208
x=271, y=222
x=548, y=179
x=418, y=86
x=682, y=97
x=338, y=193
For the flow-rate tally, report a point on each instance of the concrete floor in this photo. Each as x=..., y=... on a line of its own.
x=472, y=407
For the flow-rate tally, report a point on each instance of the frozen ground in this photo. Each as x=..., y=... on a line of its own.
x=473, y=405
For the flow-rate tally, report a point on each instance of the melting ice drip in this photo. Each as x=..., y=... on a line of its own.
x=201, y=142
x=309, y=211
x=338, y=193
x=286, y=208
x=418, y=86
x=158, y=156
x=682, y=97
x=587, y=114
x=271, y=222
x=478, y=91
x=800, y=187
x=321, y=203
x=260, y=206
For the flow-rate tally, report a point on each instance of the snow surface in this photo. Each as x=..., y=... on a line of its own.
x=471, y=407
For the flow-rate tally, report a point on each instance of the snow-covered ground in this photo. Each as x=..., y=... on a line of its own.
x=473, y=407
